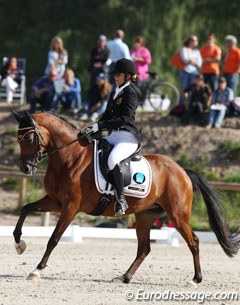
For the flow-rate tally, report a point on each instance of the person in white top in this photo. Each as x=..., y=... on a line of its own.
x=57, y=57
x=192, y=59
x=118, y=48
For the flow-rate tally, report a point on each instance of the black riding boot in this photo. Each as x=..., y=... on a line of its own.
x=121, y=203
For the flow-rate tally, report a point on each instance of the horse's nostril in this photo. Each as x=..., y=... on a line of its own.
x=27, y=169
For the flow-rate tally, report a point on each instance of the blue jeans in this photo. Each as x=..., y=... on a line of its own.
x=216, y=117
x=211, y=79
x=186, y=79
x=45, y=100
x=70, y=100
x=232, y=82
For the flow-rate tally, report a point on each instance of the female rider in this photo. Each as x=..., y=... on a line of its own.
x=119, y=119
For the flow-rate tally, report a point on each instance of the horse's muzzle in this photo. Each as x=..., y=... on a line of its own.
x=28, y=169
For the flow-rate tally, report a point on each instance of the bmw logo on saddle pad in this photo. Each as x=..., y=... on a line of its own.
x=139, y=178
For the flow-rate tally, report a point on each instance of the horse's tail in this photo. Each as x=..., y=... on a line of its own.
x=229, y=242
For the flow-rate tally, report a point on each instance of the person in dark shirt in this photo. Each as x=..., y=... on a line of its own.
x=43, y=91
x=119, y=119
x=199, y=96
x=98, y=59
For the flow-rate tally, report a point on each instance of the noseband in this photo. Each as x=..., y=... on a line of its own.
x=37, y=156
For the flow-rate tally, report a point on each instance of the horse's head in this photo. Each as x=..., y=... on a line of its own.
x=33, y=140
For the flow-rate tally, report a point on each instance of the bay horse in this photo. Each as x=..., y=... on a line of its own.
x=70, y=189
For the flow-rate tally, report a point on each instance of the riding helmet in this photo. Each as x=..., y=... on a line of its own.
x=124, y=66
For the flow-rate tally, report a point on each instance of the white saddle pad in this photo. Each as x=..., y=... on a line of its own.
x=141, y=177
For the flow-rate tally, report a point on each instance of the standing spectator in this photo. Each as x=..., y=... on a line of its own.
x=199, y=96
x=211, y=55
x=142, y=58
x=44, y=91
x=191, y=57
x=11, y=77
x=99, y=57
x=221, y=99
x=57, y=56
x=231, y=63
x=70, y=97
x=118, y=50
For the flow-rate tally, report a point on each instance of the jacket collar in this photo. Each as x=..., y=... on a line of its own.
x=119, y=90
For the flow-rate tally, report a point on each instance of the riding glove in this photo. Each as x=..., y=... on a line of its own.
x=91, y=129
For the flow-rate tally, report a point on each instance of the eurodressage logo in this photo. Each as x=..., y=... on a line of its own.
x=139, y=178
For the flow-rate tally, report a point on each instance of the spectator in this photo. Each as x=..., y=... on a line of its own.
x=70, y=97
x=118, y=50
x=231, y=63
x=199, y=95
x=43, y=91
x=11, y=77
x=99, y=57
x=57, y=57
x=101, y=91
x=192, y=59
x=211, y=55
x=221, y=99
x=142, y=58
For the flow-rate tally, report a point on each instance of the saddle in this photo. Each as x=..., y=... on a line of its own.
x=136, y=171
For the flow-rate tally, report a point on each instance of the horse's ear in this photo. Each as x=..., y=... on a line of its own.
x=30, y=118
x=17, y=116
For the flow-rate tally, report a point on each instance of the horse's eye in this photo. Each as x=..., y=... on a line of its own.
x=28, y=140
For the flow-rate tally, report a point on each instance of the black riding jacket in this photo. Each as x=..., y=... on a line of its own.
x=120, y=112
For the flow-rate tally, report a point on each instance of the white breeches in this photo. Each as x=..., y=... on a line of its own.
x=125, y=145
x=10, y=85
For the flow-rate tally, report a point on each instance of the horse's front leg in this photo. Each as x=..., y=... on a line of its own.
x=46, y=204
x=67, y=214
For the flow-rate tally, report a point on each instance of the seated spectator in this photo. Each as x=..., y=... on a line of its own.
x=57, y=56
x=221, y=99
x=199, y=96
x=231, y=63
x=44, y=91
x=11, y=77
x=142, y=58
x=101, y=94
x=69, y=96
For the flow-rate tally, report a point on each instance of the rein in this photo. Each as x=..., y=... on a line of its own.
x=38, y=156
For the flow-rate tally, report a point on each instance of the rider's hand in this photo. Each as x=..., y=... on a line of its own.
x=91, y=129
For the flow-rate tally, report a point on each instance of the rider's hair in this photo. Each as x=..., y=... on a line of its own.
x=134, y=78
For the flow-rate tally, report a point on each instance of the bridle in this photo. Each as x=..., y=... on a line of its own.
x=38, y=156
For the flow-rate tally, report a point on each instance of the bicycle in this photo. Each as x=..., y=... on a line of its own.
x=156, y=95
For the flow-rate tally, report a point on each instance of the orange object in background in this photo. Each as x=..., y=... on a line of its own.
x=210, y=52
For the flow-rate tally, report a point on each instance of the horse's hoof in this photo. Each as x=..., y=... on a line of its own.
x=34, y=276
x=118, y=279
x=20, y=247
x=192, y=284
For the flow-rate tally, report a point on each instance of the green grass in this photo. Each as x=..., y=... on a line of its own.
x=11, y=132
x=10, y=184
x=229, y=149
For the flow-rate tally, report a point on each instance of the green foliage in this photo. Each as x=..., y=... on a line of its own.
x=229, y=149
x=29, y=27
x=232, y=178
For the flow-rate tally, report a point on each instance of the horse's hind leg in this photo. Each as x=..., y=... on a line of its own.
x=43, y=205
x=144, y=222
